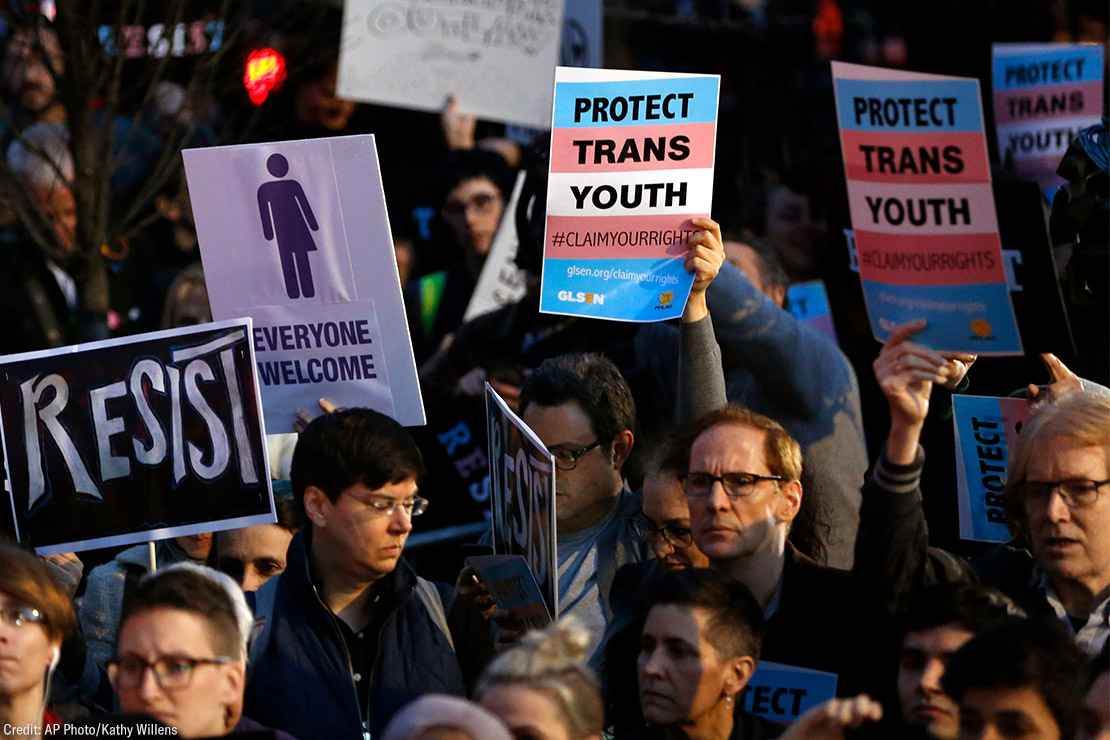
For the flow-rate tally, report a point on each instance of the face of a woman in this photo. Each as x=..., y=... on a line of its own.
x=681, y=675
x=25, y=652
x=529, y=714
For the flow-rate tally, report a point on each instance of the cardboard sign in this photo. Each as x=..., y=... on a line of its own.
x=295, y=235
x=129, y=440
x=496, y=58
x=809, y=302
x=1044, y=94
x=501, y=282
x=513, y=587
x=522, y=487
x=631, y=163
x=986, y=430
x=923, y=216
x=782, y=693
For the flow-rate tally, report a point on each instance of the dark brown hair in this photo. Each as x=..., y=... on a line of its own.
x=25, y=579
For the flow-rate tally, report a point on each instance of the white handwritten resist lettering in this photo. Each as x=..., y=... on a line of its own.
x=181, y=383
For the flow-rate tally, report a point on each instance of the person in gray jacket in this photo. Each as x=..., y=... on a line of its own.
x=109, y=584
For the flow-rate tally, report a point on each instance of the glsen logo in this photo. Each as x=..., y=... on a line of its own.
x=567, y=296
x=666, y=297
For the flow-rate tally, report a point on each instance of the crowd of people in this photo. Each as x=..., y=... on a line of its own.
x=724, y=492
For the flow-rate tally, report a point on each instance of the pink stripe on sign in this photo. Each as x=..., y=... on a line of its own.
x=616, y=149
x=618, y=237
x=883, y=156
x=1046, y=102
x=930, y=260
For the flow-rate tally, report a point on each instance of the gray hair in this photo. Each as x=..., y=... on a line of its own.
x=40, y=154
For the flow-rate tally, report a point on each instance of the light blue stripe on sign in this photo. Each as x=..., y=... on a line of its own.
x=628, y=103
x=1070, y=65
x=909, y=106
x=621, y=290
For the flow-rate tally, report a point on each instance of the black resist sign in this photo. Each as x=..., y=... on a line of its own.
x=111, y=442
x=522, y=488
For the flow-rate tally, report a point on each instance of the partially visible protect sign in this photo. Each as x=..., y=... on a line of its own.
x=631, y=164
x=129, y=440
x=922, y=207
x=986, y=431
x=513, y=587
x=522, y=494
x=782, y=693
x=1044, y=94
x=295, y=235
x=809, y=302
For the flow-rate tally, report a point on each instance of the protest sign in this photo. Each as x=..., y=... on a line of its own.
x=522, y=496
x=495, y=58
x=128, y=440
x=923, y=215
x=513, y=586
x=631, y=164
x=808, y=302
x=501, y=282
x=782, y=693
x=986, y=430
x=1043, y=95
x=295, y=235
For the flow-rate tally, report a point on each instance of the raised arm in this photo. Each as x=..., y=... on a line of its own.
x=701, y=378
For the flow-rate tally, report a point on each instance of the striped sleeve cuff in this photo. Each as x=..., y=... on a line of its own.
x=898, y=478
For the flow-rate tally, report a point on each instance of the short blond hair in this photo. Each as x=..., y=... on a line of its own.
x=1082, y=418
x=781, y=451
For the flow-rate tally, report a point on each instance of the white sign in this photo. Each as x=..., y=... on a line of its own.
x=495, y=57
x=501, y=281
x=295, y=235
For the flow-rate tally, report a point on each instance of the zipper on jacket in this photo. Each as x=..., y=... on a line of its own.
x=350, y=666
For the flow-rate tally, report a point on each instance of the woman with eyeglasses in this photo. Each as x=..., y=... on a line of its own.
x=36, y=615
x=182, y=651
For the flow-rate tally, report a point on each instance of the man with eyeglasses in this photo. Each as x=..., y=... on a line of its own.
x=1057, y=500
x=182, y=653
x=742, y=481
x=349, y=633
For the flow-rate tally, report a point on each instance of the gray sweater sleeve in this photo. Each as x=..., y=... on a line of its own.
x=701, y=377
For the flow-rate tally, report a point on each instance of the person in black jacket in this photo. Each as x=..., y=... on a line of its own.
x=698, y=649
x=349, y=632
x=1057, y=500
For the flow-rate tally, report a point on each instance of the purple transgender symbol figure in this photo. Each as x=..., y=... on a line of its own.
x=287, y=215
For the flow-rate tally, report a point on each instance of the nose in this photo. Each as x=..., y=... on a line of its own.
x=929, y=682
x=650, y=664
x=148, y=688
x=400, y=522
x=661, y=547
x=251, y=580
x=718, y=500
x=1058, y=509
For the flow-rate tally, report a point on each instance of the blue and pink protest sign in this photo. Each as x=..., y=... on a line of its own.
x=1043, y=95
x=986, y=431
x=631, y=164
x=782, y=693
x=919, y=191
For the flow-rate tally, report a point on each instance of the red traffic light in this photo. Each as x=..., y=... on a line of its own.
x=264, y=73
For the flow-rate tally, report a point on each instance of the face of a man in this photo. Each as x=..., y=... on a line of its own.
x=61, y=210
x=473, y=210
x=585, y=494
x=665, y=507
x=26, y=74
x=1006, y=714
x=25, y=653
x=745, y=259
x=317, y=104
x=196, y=546
x=726, y=529
x=681, y=674
x=924, y=656
x=526, y=712
x=360, y=537
x=1071, y=543
x=253, y=555
x=199, y=708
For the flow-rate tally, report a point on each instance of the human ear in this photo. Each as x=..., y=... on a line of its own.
x=316, y=504
x=737, y=674
x=789, y=501
x=622, y=448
